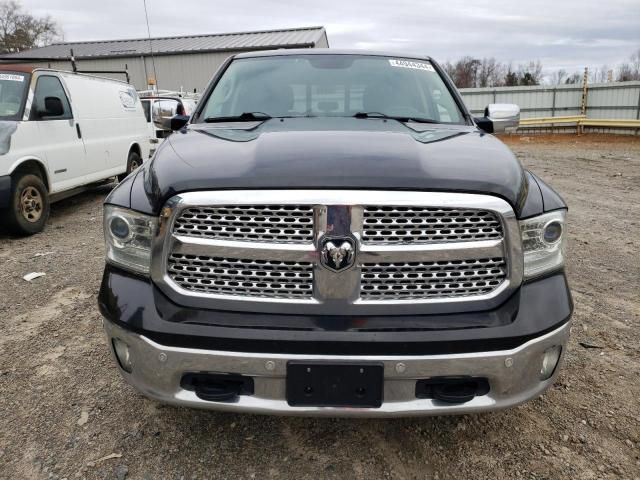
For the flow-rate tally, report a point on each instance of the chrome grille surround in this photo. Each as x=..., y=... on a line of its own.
x=442, y=279
x=397, y=225
x=257, y=223
x=232, y=276
x=335, y=213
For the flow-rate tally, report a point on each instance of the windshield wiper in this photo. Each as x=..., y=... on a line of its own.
x=399, y=118
x=243, y=117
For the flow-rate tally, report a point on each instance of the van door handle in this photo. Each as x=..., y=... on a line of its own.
x=78, y=130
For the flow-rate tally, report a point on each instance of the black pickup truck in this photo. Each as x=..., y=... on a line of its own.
x=332, y=233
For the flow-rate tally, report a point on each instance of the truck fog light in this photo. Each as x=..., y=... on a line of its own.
x=550, y=360
x=122, y=354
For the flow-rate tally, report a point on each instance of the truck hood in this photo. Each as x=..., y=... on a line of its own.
x=338, y=153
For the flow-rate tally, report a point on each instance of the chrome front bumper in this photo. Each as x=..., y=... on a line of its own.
x=513, y=375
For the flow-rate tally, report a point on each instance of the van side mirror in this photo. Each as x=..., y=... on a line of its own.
x=178, y=122
x=52, y=107
x=498, y=117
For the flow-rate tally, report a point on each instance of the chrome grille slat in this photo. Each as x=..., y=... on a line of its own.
x=440, y=279
x=242, y=277
x=389, y=225
x=255, y=223
x=412, y=271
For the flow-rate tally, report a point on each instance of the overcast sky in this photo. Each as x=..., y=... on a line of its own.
x=567, y=34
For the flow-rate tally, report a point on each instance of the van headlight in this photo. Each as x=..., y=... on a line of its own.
x=543, y=243
x=128, y=236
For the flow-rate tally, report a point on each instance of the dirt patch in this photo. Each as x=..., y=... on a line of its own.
x=64, y=409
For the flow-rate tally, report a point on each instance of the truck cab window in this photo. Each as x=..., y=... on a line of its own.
x=49, y=86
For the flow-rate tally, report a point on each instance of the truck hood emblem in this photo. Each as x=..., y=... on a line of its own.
x=337, y=254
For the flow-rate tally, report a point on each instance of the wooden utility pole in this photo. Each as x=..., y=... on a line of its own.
x=583, y=103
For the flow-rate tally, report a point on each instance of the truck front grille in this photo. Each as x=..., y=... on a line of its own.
x=233, y=276
x=390, y=225
x=405, y=252
x=257, y=223
x=440, y=279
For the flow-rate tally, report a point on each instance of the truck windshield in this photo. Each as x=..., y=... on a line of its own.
x=13, y=86
x=332, y=85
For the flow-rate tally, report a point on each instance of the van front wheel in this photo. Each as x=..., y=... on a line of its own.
x=29, y=205
x=133, y=162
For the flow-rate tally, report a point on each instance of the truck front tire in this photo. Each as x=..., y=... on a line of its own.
x=28, y=205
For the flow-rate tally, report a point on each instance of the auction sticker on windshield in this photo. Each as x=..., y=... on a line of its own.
x=13, y=78
x=411, y=64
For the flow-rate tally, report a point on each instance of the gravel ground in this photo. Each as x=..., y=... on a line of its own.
x=65, y=412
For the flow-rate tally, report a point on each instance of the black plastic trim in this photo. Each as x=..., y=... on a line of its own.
x=217, y=387
x=136, y=304
x=452, y=389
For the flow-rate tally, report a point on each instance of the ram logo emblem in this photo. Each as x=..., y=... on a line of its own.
x=338, y=254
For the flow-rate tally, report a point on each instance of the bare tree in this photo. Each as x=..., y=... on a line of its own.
x=21, y=31
x=573, y=79
x=599, y=75
x=530, y=73
x=630, y=70
x=635, y=62
x=491, y=73
x=511, y=77
x=558, y=77
x=464, y=72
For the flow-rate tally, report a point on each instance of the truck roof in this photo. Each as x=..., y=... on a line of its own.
x=329, y=51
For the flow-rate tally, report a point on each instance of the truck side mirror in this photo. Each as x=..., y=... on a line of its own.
x=498, y=117
x=52, y=107
x=178, y=122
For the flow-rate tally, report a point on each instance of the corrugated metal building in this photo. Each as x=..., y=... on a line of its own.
x=186, y=62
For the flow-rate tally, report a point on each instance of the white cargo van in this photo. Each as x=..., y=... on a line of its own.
x=61, y=131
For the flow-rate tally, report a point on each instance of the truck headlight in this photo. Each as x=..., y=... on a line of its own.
x=543, y=242
x=128, y=236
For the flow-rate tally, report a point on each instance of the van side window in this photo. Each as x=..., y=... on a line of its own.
x=49, y=86
x=146, y=106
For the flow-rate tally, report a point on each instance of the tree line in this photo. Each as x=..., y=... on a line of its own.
x=469, y=72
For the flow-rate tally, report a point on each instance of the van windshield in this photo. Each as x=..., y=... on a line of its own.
x=13, y=86
x=333, y=85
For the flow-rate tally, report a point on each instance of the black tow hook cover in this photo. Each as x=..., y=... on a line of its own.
x=452, y=389
x=217, y=387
